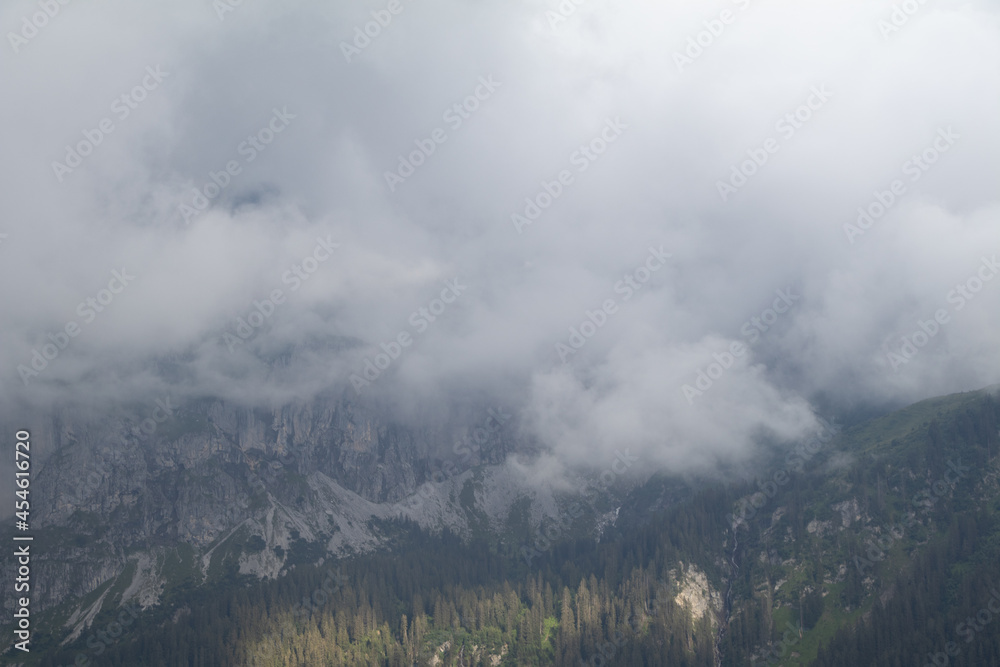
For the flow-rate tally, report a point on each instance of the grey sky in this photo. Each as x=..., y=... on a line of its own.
x=554, y=87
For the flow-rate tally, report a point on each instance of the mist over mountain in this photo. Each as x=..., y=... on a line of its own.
x=516, y=95
x=288, y=283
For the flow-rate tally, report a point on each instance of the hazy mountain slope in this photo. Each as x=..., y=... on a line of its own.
x=825, y=532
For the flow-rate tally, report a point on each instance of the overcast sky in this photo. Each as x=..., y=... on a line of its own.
x=715, y=154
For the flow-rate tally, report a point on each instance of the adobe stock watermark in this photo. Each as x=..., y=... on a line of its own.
x=962, y=294
x=320, y=597
x=608, y=651
x=915, y=168
x=562, y=12
x=746, y=508
x=92, y=481
x=776, y=652
x=468, y=449
x=31, y=25
x=250, y=148
x=698, y=43
x=122, y=107
x=455, y=116
x=59, y=341
x=420, y=320
x=787, y=126
x=926, y=498
x=752, y=329
x=161, y=412
x=900, y=16
x=596, y=319
x=285, y=459
x=363, y=35
x=101, y=640
x=968, y=629
x=581, y=158
x=294, y=277
x=589, y=491
x=223, y=7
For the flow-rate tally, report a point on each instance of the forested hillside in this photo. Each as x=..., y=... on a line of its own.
x=879, y=547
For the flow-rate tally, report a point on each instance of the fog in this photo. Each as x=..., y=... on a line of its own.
x=516, y=170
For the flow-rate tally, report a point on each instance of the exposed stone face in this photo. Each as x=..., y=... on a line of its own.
x=695, y=592
x=313, y=471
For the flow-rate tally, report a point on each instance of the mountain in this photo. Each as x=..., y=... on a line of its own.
x=325, y=534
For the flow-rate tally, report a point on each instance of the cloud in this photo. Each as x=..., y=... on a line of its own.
x=554, y=87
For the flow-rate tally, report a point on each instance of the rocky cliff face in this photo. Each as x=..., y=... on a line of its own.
x=129, y=504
